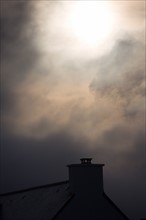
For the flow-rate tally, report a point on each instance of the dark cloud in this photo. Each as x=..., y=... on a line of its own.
x=33, y=162
x=18, y=55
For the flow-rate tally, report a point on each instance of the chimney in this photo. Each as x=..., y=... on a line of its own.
x=86, y=177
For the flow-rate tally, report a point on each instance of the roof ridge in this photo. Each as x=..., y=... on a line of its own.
x=116, y=207
x=64, y=205
x=36, y=187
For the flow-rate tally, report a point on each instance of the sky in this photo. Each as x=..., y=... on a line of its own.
x=73, y=86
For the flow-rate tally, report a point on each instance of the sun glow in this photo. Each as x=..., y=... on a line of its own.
x=91, y=22
x=74, y=29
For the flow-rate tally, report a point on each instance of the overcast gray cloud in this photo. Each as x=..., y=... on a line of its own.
x=62, y=100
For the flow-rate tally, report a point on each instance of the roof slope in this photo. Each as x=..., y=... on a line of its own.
x=115, y=206
x=36, y=203
x=50, y=201
x=85, y=208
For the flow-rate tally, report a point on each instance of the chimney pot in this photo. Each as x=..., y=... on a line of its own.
x=86, y=160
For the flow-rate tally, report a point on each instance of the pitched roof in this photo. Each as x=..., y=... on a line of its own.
x=44, y=202
x=115, y=206
x=35, y=203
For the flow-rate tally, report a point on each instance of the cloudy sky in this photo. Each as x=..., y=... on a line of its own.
x=73, y=85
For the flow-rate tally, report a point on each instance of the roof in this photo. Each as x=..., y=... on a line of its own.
x=115, y=206
x=105, y=197
x=35, y=203
x=44, y=202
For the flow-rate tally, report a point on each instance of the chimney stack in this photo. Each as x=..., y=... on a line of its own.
x=86, y=178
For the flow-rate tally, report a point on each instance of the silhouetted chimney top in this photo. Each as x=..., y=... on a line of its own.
x=86, y=160
x=86, y=177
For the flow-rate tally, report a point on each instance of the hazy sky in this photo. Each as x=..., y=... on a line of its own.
x=73, y=85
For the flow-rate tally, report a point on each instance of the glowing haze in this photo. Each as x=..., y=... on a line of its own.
x=73, y=85
x=91, y=22
x=83, y=25
x=72, y=39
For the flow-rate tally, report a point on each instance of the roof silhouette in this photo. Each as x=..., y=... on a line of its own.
x=82, y=197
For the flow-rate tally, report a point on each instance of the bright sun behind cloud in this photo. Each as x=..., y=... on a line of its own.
x=78, y=28
x=91, y=22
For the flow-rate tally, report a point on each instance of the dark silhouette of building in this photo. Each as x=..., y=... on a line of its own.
x=80, y=198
